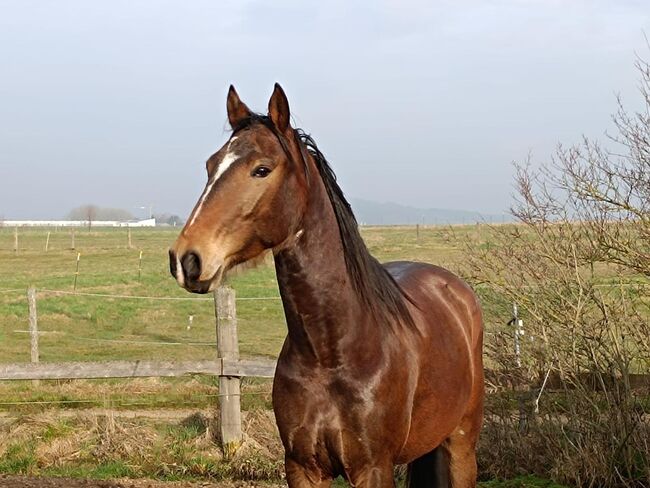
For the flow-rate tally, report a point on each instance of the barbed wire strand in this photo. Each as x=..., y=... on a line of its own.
x=142, y=297
x=154, y=343
x=12, y=290
x=145, y=297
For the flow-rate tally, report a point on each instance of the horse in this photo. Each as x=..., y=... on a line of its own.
x=381, y=364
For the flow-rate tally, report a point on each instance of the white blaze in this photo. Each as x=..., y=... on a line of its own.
x=226, y=162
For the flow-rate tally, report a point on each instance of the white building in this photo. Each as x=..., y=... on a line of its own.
x=79, y=223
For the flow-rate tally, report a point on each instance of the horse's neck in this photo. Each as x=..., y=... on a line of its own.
x=323, y=311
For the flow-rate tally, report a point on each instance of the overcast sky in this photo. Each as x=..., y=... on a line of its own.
x=119, y=103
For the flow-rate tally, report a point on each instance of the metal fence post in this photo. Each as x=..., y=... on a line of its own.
x=518, y=325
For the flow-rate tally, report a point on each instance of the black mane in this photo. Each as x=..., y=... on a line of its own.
x=372, y=282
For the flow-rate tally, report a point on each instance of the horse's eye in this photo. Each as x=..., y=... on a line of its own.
x=261, y=172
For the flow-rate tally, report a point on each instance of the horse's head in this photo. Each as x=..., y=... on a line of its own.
x=254, y=199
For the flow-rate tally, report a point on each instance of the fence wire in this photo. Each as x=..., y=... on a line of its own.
x=113, y=403
x=144, y=297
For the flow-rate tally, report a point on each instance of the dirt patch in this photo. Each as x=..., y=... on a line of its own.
x=38, y=482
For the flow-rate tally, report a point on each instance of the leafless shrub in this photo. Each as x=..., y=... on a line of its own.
x=578, y=266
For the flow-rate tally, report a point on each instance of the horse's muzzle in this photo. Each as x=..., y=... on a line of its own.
x=187, y=272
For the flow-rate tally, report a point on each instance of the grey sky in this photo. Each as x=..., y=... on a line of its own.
x=423, y=103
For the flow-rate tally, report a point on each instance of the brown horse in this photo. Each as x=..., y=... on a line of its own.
x=382, y=364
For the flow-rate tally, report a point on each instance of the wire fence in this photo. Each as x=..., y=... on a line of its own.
x=45, y=292
x=115, y=401
x=129, y=297
x=123, y=333
x=120, y=341
x=142, y=297
x=209, y=299
x=210, y=344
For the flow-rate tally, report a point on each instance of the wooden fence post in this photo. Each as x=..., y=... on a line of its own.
x=229, y=386
x=16, y=239
x=76, y=273
x=47, y=242
x=128, y=238
x=33, y=326
x=72, y=239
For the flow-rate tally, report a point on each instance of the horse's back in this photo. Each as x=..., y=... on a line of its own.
x=440, y=296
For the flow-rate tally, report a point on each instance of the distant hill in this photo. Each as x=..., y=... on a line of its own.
x=375, y=213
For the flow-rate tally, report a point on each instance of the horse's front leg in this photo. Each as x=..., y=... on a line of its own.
x=298, y=476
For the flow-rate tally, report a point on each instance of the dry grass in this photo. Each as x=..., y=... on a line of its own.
x=123, y=439
x=261, y=434
x=61, y=450
x=185, y=448
x=155, y=447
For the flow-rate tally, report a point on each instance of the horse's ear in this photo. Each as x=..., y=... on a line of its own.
x=279, y=108
x=237, y=110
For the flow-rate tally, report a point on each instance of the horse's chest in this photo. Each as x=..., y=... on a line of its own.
x=329, y=422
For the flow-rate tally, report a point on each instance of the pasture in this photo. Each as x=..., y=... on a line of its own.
x=124, y=309
x=85, y=327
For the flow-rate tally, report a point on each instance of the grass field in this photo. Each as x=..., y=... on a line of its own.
x=149, y=427
x=76, y=327
x=79, y=327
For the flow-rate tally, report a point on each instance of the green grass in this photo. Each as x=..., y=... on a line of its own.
x=19, y=458
x=89, y=328
x=78, y=327
x=86, y=328
x=94, y=328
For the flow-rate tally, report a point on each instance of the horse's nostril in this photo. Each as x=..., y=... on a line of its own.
x=172, y=263
x=191, y=264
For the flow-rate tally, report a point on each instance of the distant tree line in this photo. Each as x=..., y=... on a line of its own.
x=91, y=213
x=168, y=219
